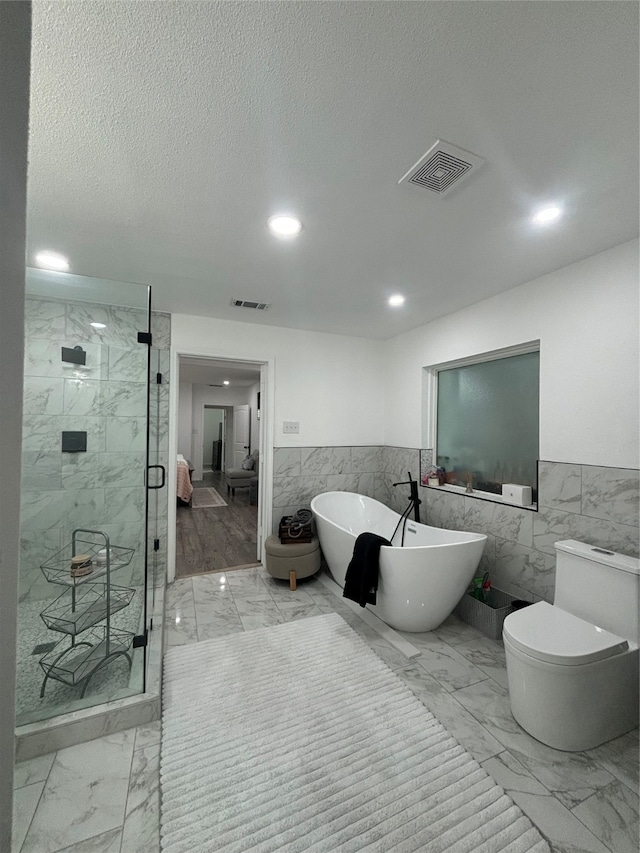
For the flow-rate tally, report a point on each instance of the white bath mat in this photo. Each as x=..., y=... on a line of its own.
x=299, y=738
x=202, y=498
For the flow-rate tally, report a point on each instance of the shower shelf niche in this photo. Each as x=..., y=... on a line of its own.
x=78, y=610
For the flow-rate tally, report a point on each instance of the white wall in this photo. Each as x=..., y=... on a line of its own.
x=185, y=407
x=586, y=318
x=204, y=395
x=15, y=37
x=331, y=384
x=213, y=420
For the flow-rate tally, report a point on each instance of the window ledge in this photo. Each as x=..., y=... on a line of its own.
x=482, y=496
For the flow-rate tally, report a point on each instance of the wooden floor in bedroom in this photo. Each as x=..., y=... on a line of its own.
x=213, y=539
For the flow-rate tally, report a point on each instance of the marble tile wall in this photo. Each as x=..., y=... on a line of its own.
x=104, y=487
x=589, y=503
x=397, y=462
x=300, y=473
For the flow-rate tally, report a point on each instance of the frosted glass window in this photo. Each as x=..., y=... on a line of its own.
x=487, y=426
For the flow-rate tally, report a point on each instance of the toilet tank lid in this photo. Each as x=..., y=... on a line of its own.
x=600, y=555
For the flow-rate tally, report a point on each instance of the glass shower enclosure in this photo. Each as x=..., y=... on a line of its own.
x=91, y=460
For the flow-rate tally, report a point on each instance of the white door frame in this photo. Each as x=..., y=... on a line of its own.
x=267, y=413
x=241, y=450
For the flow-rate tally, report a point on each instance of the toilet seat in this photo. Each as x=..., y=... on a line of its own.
x=550, y=634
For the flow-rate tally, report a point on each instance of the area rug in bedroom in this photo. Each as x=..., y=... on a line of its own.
x=299, y=738
x=206, y=497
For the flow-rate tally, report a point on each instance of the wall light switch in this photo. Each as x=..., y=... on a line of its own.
x=289, y=427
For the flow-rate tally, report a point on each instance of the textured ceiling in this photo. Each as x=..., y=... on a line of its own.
x=164, y=134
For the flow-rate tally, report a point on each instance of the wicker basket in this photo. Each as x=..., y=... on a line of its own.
x=486, y=616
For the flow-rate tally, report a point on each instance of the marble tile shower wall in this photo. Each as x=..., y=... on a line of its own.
x=103, y=488
x=593, y=504
x=589, y=503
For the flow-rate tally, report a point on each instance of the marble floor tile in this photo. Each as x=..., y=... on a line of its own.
x=281, y=594
x=256, y=604
x=213, y=625
x=148, y=735
x=512, y=775
x=425, y=640
x=560, y=827
x=179, y=631
x=32, y=770
x=294, y=612
x=179, y=594
x=247, y=579
x=211, y=588
x=488, y=656
x=386, y=652
x=319, y=593
x=571, y=776
x=106, y=842
x=253, y=621
x=184, y=610
x=141, y=830
x=612, y=815
x=25, y=802
x=450, y=668
x=454, y=631
x=554, y=820
x=621, y=757
x=223, y=606
x=85, y=794
x=458, y=722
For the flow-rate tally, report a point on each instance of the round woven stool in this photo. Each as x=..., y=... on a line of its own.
x=293, y=560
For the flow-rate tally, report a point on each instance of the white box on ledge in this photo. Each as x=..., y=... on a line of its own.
x=515, y=494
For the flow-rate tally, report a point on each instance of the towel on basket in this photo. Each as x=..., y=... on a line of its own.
x=361, y=582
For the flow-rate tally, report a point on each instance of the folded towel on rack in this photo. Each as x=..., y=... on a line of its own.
x=361, y=582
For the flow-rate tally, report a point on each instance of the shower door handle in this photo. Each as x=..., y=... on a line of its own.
x=163, y=479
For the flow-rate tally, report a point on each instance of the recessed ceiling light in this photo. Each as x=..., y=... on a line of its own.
x=547, y=215
x=52, y=261
x=396, y=300
x=285, y=226
x=98, y=325
x=225, y=381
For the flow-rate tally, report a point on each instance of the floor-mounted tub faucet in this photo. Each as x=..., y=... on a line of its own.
x=414, y=500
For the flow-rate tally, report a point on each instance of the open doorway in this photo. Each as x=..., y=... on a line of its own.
x=219, y=436
x=214, y=438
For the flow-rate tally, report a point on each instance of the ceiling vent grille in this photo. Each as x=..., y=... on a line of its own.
x=442, y=168
x=247, y=303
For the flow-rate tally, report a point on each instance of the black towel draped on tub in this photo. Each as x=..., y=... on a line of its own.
x=361, y=582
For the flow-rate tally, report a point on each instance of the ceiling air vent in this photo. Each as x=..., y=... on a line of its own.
x=442, y=168
x=247, y=303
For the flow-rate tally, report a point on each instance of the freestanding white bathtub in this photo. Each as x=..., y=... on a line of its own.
x=420, y=583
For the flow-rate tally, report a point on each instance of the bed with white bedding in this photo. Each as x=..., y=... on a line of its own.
x=184, y=489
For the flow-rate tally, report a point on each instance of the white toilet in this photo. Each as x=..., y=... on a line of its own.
x=572, y=666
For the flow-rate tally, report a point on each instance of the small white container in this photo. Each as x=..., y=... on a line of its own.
x=100, y=558
x=516, y=494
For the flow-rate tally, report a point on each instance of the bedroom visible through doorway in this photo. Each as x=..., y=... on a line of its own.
x=218, y=434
